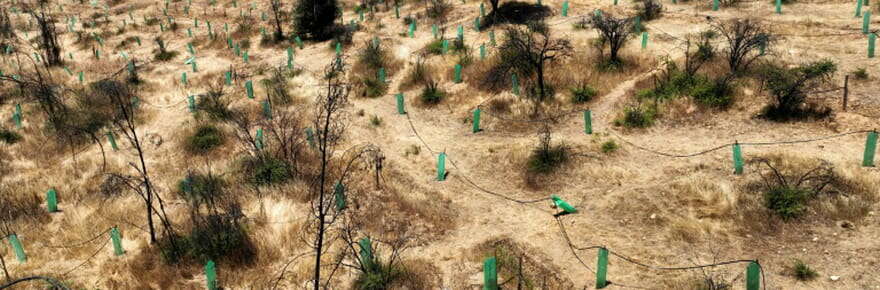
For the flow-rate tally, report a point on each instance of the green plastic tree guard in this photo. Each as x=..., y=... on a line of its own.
x=112, y=141
x=564, y=8
x=615, y=2
x=400, y=109
x=183, y=79
x=644, y=39
x=249, y=87
x=396, y=11
x=236, y=49
x=859, y=4
x=737, y=159
x=211, y=275
x=189, y=47
x=267, y=109
x=482, y=51
x=515, y=83
x=490, y=274
x=457, y=78
x=339, y=196
x=289, y=57
x=588, y=122
x=299, y=42
x=492, y=38
x=117, y=241
x=16, y=118
x=361, y=15
x=460, y=35
x=445, y=46
x=366, y=252
x=17, y=248
x=194, y=66
x=434, y=30
x=52, y=200
x=477, y=24
x=259, y=139
x=228, y=78
x=778, y=6
x=638, y=25
x=310, y=136
x=191, y=100
x=381, y=74
x=476, y=126
x=412, y=29
x=715, y=5
x=602, y=269
x=482, y=10
x=245, y=56
x=441, y=167
x=338, y=48
x=753, y=276
x=866, y=22
x=872, y=38
x=870, y=149
x=562, y=204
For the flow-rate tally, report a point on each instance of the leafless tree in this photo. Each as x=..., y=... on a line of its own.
x=50, y=45
x=698, y=51
x=534, y=47
x=6, y=30
x=745, y=38
x=613, y=32
x=278, y=16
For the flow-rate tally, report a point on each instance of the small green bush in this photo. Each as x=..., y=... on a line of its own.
x=609, y=146
x=265, y=169
x=861, y=73
x=197, y=187
x=9, y=136
x=582, y=94
x=205, y=139
x=803, y=272
x=431, y=95
x=379, y=278
x=165, y=55
x=435, y=47
x=373, y=88
x=637, y=117
x=547, y=159
x=788, y=202
x=376, y=121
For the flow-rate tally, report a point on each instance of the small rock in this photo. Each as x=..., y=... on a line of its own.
x=653, y=216
x=815, y=239
x=835, y=278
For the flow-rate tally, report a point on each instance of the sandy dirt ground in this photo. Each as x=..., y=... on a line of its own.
x=662, y=211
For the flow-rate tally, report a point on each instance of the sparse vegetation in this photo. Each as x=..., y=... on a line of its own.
x=547, y=157
x=789, y=89
x=205, y=139
x=609, y=147
x=9, y=136
x=803, y=272
x=861, y=73
x=265, y=169
x=637, y=117
x=582, y=94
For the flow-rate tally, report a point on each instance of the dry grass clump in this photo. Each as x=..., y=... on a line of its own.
x=511, y=257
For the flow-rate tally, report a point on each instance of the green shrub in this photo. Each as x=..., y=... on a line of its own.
x=609, y=146
x=435, y=47
x=373, y=88
x=803, y=272
x=431, y=95
x=546, y=158
x=379, y=278
x=165, y=55
x=788, y=202
x=9, y=136
x=205, y=139
x=214, y=106
x=861, y=73
x=376, y=121
x=265, y=169
x=582, y=94
x=637, y=117
x=217, y=237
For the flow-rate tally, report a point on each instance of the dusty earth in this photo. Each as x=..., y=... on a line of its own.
x=659, y=210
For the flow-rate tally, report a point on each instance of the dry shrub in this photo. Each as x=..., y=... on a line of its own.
x=537, y=272
x=848, y=195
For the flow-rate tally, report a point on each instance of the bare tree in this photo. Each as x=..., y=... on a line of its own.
x=534, y=47
x=698, y=51
x=6, y=30
x=278, y=17
x=50, y=45
x=745, y=38
x=613, y=32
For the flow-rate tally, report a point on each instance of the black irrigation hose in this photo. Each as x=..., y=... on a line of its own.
x=88, y=259
x=55, y=283
x=574, y=250
x=740, y=143
x=77, y=245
